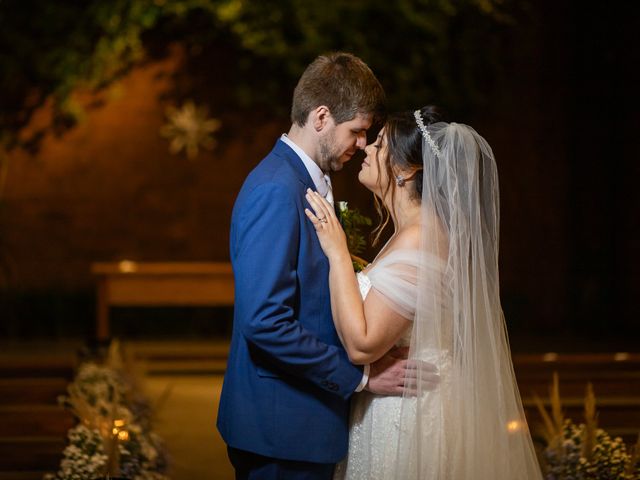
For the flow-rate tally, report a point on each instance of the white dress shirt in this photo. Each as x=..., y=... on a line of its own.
x=322, y=183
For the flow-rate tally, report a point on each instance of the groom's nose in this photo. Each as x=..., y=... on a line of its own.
x=361, y=142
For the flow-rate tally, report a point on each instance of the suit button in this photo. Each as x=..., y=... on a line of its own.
x=333, y=387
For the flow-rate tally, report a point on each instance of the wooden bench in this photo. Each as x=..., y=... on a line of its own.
x=145, y=284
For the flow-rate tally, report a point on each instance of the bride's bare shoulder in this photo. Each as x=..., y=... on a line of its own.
x=408, y=238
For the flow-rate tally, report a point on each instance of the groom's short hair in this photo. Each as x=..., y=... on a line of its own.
x=342, y=82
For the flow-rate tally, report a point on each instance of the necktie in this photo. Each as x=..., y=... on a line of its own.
x=329, y=195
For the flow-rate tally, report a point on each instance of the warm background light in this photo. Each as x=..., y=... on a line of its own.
x=515, y=426
x=127, y=266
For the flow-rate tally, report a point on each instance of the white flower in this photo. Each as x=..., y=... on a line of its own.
x=189, y=128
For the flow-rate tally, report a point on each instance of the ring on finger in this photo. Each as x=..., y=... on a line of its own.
x=323, y=220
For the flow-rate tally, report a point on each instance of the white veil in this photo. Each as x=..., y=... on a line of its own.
x=473, y=425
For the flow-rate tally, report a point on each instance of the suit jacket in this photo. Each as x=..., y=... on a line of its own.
x=288, y=381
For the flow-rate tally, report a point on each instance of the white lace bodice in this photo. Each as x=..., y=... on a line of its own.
x=364, y=283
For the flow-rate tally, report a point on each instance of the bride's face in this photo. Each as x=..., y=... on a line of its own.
x=373, y=173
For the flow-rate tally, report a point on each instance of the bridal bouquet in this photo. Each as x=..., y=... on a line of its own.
x=352, y=221
x=113, y=437
x=584, y=451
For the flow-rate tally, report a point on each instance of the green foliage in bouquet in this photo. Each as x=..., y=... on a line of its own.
x=352, y=221
x=584, y=451
x=113, y=436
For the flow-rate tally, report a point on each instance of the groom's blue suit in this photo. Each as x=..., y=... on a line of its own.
x=288, y=381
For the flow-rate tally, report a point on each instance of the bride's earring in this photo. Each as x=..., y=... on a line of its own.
x=400, y=180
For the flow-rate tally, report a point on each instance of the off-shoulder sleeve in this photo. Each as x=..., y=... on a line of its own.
x=395, y=278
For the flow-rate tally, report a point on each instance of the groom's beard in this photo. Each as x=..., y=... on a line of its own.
x=329, y=160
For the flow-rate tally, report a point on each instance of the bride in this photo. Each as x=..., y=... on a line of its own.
x=433, y=287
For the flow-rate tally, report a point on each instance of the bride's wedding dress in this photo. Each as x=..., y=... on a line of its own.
x=375, y=421
x=472, y=425
x=423, y=437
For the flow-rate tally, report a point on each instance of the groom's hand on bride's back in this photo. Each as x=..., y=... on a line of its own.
x=394, y=374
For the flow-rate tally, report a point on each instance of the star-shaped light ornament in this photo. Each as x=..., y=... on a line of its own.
x=189, y=128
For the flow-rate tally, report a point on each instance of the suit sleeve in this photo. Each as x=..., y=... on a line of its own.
x=265, y=246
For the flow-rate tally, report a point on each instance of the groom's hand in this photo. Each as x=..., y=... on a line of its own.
x=393, y=374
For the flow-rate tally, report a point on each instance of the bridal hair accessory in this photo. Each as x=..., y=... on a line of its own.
x=400, y=180
x=425, y=133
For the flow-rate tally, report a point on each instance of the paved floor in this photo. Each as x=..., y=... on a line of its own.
x=184, y=380
x=186, y=422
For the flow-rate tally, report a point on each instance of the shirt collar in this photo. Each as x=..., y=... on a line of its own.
x=316, y=174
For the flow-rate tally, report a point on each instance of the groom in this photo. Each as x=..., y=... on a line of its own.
x=285, y=400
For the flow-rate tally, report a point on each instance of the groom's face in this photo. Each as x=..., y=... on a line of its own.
x=340, y=142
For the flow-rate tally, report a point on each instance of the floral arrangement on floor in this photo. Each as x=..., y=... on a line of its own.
x=352, y=220
x=113, y=438
x=583, y=451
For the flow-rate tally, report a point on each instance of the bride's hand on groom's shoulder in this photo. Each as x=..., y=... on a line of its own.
x=394, y=374
x=330, y=233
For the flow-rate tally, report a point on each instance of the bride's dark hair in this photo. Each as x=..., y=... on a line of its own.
x=404, y=152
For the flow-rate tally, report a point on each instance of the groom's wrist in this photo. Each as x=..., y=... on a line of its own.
x=365, y=378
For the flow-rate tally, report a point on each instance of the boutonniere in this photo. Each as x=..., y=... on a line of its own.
x=352, y=220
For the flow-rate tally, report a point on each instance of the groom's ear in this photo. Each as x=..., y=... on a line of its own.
x=321, y=116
